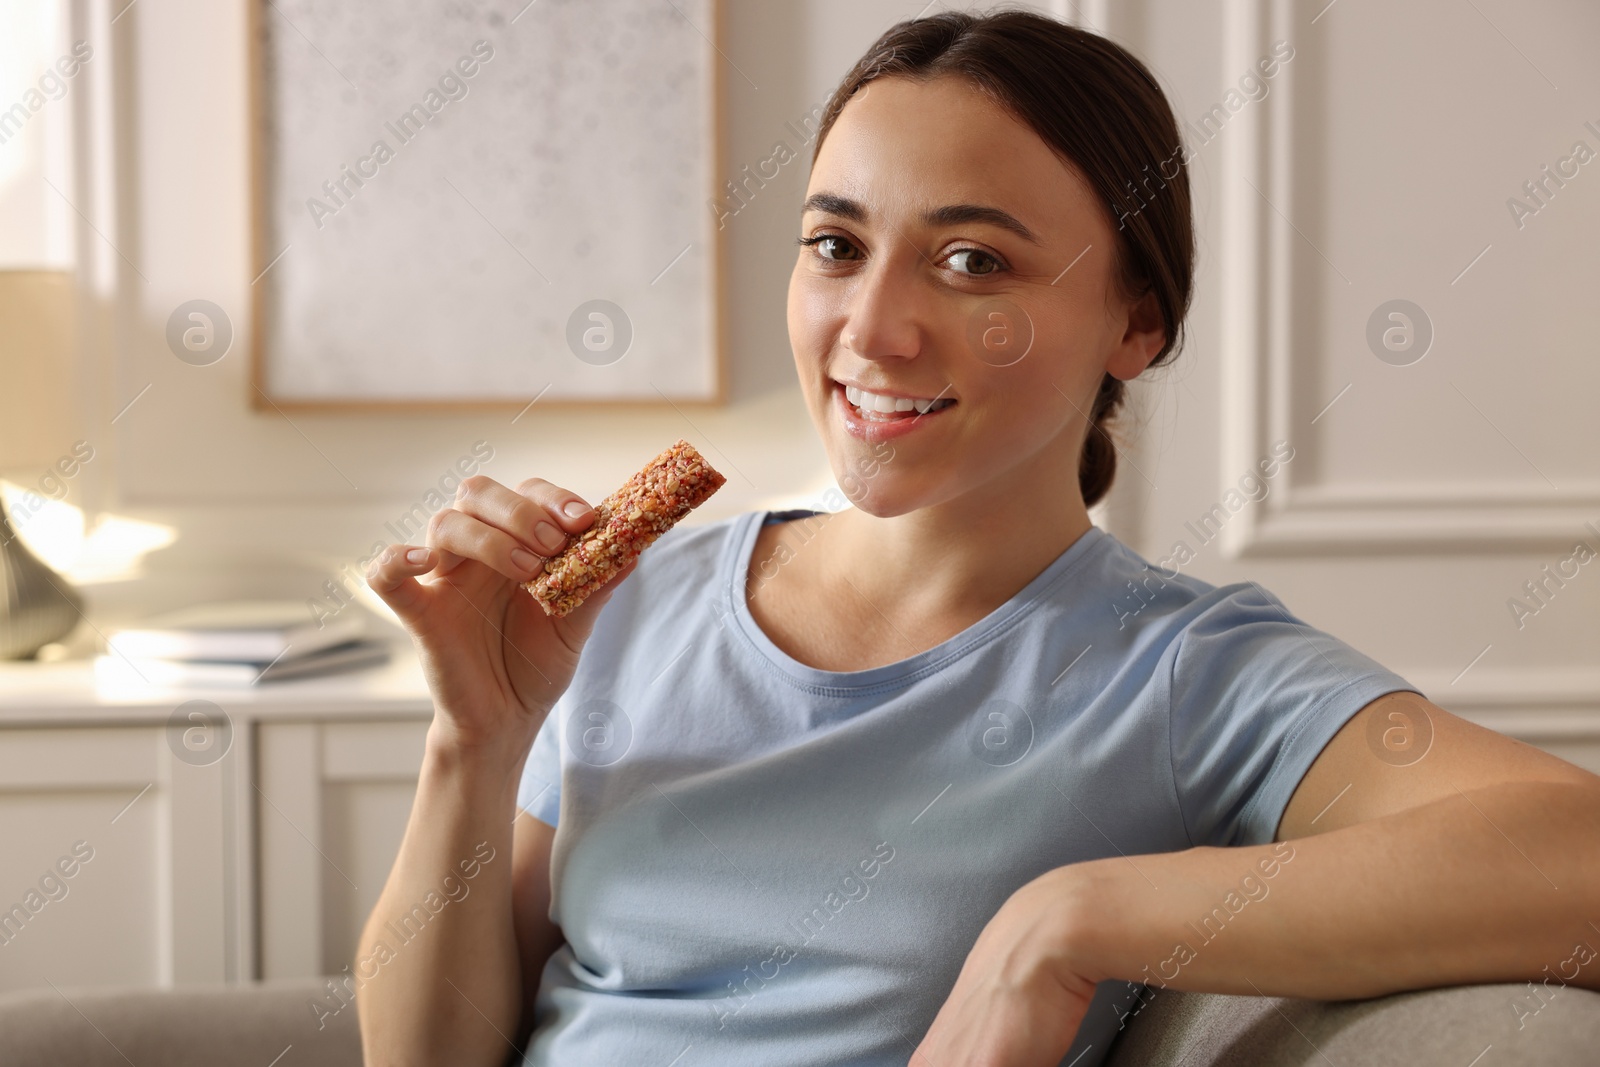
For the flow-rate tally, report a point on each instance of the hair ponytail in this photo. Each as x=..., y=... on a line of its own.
x=1097, y=463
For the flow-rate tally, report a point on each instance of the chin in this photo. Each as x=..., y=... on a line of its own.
x=882, y=499
x=876, y=505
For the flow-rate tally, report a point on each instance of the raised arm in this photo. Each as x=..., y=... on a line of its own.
x=441, y=975
x=448, y=982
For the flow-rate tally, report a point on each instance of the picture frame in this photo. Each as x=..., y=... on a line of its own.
x=409, y=277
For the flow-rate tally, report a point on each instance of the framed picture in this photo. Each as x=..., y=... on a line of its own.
x=466, y=205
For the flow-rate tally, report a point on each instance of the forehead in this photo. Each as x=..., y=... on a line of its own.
x=902, y=146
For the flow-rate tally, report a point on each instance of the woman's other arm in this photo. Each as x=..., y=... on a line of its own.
x=1476, y=864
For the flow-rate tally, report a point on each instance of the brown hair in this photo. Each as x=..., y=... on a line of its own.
x=1100, y=109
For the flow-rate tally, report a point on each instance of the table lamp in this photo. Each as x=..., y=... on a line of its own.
x=37, y=605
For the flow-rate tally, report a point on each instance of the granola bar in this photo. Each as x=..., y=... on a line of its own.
x=647, y=506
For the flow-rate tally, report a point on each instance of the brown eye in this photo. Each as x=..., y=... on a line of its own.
x=829, y=246
x=975, y=262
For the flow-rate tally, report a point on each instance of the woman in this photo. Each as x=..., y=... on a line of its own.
x=952, y=775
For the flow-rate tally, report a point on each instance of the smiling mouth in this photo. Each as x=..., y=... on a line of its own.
x=879, y=407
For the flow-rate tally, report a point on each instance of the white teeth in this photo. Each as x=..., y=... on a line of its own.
x=878, y=402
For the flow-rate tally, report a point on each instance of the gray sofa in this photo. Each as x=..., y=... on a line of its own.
x=271, y=1025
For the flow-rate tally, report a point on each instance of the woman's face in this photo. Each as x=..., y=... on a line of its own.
x=953, y=257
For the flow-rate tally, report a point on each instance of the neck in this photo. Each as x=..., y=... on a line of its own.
x=966, y=555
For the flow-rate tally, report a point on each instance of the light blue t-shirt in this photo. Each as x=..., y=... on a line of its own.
x=759, y=862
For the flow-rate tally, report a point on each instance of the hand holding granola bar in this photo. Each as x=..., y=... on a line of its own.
x=496, y=658
x=626, y=522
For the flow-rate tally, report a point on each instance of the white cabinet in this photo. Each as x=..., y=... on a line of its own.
x=112, y=866
x=260, y=862
x=334, y=798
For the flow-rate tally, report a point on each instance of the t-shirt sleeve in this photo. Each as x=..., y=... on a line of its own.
x=539, y=793
x=1256, y=694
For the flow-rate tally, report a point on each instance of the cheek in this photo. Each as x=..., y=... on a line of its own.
x=1023, y=407
x=810, y=357
x=1067, y=363
x=1037, y=381
x=814, y=315
x=814, y=320
x=794, y=311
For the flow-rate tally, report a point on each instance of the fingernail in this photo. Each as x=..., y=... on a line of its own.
x=575, y=509
x=549, y=538
x=416, y=555
x=524, y=559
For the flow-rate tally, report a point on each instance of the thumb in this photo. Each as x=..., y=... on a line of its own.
x=393, y=576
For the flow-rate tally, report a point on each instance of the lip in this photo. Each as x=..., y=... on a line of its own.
x=863, y=430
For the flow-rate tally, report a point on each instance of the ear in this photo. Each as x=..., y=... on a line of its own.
x=1141, y=339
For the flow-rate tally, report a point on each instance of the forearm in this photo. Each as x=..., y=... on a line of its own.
x=437, y=967
x=1502, y=884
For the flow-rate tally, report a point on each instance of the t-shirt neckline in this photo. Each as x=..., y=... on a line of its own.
x=900, y=672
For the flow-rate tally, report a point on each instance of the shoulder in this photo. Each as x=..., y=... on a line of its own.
x=1135, y=594
x=1241, y=629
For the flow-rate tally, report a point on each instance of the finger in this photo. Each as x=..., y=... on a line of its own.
x=470, y=538
x=537, y=513
x=570, y=510
x=446, y=562
x=393, y=576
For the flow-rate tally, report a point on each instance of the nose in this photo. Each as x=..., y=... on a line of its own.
x=885, y=319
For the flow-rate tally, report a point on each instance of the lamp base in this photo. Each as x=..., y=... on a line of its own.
x=37, y=605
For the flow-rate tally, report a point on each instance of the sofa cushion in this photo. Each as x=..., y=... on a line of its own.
x=1455, y=1025
x=211, y=1026
x=256, y=1025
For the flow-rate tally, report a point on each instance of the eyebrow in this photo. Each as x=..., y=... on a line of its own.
x=949, y=215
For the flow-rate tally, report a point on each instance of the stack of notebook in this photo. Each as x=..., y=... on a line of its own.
x=239, y=643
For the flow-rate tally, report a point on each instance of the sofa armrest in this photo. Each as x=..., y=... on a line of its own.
x=212, y=1026
x=1454, y=1025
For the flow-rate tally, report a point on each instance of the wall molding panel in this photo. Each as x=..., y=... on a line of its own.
x=1262, y=257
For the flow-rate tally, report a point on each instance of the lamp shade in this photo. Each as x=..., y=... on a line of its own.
x=37, y=409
